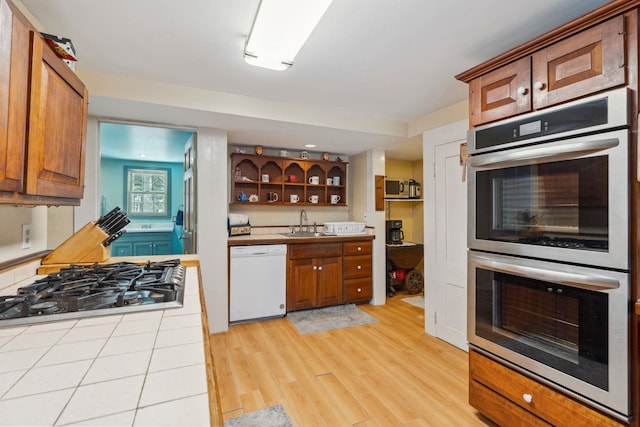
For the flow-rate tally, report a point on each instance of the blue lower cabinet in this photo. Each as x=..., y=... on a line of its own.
x=141, y=244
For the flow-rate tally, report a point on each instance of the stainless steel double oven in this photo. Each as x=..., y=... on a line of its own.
x=549, y=247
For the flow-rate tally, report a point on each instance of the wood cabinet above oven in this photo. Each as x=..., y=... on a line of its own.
x=590, y=61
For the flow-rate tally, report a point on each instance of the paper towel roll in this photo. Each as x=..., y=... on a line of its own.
x=238, y=219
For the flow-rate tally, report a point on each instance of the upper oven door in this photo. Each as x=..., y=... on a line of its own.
x=565, y=200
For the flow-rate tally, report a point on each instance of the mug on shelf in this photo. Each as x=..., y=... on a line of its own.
x=272, y=197
x=336, y=180
x=265, y=177
x=329, y=181
x=242, y=197
x=313, y=199
x=294, y=198
x=315, y=180
x=335, y=198
x=292, y=178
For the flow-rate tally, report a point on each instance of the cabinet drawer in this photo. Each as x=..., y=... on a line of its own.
x=357, y=248
x=358, y=289
x=315, y=250
x=357, y=266
x=499, y=409
x=546, y=403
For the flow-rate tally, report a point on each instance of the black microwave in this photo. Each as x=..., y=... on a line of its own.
x=396, y=188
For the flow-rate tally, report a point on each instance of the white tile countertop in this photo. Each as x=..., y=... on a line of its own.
x=138, y=369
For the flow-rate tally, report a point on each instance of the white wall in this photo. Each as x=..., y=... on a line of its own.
x=212, y=177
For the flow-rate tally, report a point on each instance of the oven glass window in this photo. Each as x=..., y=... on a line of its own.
x=563, y=327
x=562, y=204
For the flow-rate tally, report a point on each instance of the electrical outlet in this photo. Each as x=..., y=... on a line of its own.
x=26, y=236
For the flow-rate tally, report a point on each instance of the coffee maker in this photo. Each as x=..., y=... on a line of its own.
x=394, y=233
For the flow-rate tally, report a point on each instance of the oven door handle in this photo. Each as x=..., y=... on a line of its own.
x=554, y=151
x=576, y=280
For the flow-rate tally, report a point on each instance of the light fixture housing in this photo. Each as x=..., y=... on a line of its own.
x=279, y=30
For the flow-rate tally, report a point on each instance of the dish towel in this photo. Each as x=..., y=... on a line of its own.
x=180, y=217
x=238, y=219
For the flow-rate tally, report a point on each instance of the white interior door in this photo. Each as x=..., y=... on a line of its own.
x=446, y=228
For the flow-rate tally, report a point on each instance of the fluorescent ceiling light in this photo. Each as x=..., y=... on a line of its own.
x=280, y=29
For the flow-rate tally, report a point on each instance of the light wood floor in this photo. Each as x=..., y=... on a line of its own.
x=388, y=373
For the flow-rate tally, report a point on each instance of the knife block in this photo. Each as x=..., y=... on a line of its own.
x=83, y=246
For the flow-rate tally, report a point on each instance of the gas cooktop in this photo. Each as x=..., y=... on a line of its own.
x=94, y=290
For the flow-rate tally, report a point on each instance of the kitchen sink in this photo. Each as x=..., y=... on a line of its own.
x=307, y=234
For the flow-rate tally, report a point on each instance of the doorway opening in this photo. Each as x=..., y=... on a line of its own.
x=142, y=171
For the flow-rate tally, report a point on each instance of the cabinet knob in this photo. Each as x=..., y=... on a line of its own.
x=315, y=267
x=359, y=267
x=522, y=90
x=359, y=248
x=359, y=290
x=539, y=85
x=320, y=268
x=527, y=397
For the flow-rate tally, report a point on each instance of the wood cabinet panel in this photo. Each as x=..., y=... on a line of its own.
x=357, y=266
x=315, y=250
x=57, y=123
x=301, y=285
x=589, y=62
x=358, y=248
x=501, y=93
x=14, y=90
x=359, y=289
x=546, y=403
x=329, y=281
x=499, y=409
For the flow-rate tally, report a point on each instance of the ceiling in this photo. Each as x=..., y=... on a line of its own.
x=366, y=76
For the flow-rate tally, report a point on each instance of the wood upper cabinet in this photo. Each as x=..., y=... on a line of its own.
x=587, y=62
x=288, y=181
x=590, y=61
x=501, y=93
x=57, y=123
x=14, y=95
x=43, y=113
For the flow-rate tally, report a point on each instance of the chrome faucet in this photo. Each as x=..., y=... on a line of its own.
x=303, y=213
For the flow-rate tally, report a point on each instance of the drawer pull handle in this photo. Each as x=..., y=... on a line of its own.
x=527, y=398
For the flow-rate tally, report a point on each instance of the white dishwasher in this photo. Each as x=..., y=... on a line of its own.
x=258, y=282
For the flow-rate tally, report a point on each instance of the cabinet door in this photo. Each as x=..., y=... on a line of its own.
x=501, y=93
x=121, y=249
x=329, y=281
x=590, y=61
x=14, y=86
x=57, y=123
x=301, y=289
x=143, y=248
x=161, y=248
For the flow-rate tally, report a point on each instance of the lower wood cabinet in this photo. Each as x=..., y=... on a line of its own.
x=314, y=275
x=331, y=273
x=512, y=399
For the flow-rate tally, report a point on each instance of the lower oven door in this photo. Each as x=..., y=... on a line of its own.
x=567, y=325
